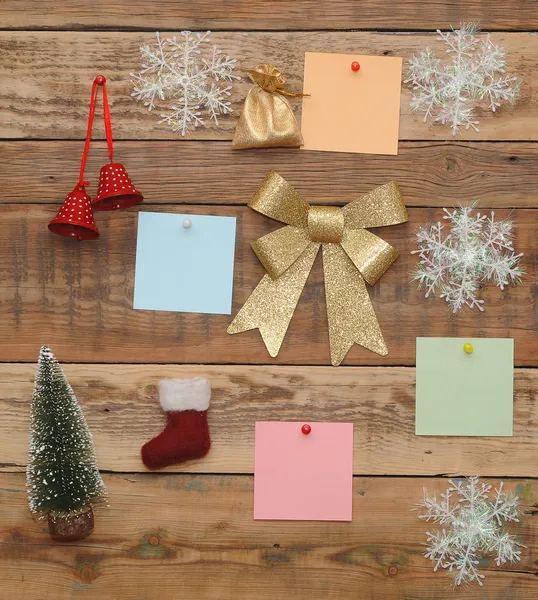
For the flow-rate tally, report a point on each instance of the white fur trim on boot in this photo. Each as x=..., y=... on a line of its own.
x=184, y=394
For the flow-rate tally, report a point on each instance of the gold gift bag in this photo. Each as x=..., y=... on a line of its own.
x=267, y=119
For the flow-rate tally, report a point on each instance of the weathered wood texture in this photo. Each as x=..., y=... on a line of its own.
x=77, y=297
x=503, y=174
x=122, y=408
x=191, y=536
x=256, y=14
x=49, y=96
x=179, y=536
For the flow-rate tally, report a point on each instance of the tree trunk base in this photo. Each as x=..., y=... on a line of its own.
x=71, y=528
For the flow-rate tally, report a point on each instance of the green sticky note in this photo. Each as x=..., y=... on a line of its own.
x=464, y=394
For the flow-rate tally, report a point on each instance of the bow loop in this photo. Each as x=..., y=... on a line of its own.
x=371, y=255
x=275, y=198
x=279, y=249
x=352, y=257
x=381, y=207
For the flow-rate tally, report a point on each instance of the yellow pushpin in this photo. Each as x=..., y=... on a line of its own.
x=468, y=348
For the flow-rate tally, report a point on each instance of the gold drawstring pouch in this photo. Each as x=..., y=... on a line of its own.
x=267, y=119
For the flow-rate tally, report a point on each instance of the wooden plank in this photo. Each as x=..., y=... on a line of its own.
x=45, y=80
x=194, y=537
x=495, y=175
x=121, y=405
x=260, y=14
x=77, y=297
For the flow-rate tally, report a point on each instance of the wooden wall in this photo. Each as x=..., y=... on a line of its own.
x=188, y=532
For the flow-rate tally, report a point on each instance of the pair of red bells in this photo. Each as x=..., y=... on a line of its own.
x=116, y=190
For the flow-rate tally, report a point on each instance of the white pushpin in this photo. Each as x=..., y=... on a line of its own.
x=187, y=223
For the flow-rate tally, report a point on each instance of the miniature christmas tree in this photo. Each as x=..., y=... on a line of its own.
x=62, y=476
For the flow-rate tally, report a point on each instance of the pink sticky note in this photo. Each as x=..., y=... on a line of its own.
x=303, y=477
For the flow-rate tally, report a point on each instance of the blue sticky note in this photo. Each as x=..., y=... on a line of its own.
x=184, y=269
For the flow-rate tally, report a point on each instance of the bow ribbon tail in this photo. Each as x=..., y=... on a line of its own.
x=271, y=305
x=350, y=313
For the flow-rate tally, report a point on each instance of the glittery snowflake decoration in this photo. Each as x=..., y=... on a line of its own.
x=448, y=92
x=473, y=526
x=477, y=248
x=189, y=75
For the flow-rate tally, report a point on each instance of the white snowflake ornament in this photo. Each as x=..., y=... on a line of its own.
x=448, y=92
x=472, y=527
x=189, y=76
x=477, y=248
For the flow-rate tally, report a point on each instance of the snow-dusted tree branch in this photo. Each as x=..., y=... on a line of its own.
x=188, y=75
x=477, y=248
x=449, y=91
x=473, y=526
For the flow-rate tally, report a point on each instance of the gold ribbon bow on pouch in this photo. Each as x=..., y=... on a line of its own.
x=352, y=257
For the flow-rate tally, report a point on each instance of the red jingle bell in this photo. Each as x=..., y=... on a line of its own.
x=75, y=217
x=116, y=190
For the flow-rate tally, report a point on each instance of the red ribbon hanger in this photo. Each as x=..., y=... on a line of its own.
x=99, y=81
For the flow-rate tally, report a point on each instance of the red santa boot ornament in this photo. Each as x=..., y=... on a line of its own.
x=186, y=435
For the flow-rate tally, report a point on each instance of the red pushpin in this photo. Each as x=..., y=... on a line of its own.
x=355, y=66
x=306, y=429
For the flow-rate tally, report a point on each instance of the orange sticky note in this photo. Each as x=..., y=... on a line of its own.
x=303, y=477
x=351, y=111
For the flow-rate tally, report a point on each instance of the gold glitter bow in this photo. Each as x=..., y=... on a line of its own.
x=351, y=257
x=267, y=119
